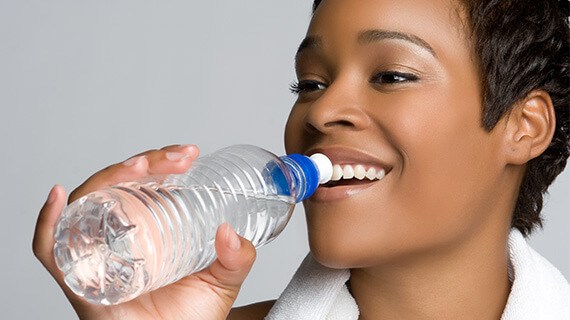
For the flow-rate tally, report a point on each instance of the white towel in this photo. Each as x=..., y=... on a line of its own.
x=315, y=293
x=539, y=290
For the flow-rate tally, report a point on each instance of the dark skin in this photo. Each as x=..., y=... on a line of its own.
x=395, y=81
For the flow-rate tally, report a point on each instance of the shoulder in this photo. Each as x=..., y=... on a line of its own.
x=253, y=311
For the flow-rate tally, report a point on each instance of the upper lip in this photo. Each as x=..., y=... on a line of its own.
x=345, y=155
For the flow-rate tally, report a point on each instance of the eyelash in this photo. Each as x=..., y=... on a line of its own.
x=381, y=78
x=303, y=86
x=394, y=75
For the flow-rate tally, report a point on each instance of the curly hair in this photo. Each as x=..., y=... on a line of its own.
x=521, y=46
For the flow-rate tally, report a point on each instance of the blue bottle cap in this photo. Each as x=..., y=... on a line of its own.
x=309, y=172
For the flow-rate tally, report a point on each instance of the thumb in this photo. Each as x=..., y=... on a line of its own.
x=235, y=258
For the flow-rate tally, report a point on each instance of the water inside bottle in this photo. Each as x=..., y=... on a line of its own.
x=115, y=244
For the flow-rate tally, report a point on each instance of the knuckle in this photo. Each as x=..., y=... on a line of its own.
x=109, y=170
x=152, y=155
x=75, y=194
x=36, y=249
x=150, y=151
x=251, y=257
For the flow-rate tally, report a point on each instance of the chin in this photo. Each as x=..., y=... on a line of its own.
x=331, y=259
x=335, y=253
x=348, y=250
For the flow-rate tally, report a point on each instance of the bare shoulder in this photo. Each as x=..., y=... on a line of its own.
x=252, y=311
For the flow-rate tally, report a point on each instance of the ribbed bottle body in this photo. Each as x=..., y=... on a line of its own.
x=118, y=243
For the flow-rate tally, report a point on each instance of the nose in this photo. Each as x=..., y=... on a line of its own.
x=339, y=107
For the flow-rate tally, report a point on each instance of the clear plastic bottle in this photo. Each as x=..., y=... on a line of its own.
x=117, y=243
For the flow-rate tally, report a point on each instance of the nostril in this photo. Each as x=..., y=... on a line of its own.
x=321, y=118
x=311, y=128
x=344, y=123
x=328, y=125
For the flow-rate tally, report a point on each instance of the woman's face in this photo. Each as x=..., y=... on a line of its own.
x=392, y=85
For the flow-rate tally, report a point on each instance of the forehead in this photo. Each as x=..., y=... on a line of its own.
x=438, y=22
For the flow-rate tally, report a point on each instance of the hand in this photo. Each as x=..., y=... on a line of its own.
x=208, y=294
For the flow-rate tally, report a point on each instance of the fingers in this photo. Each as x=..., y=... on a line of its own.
x=43, y=242
x=235, y=258
x=173, y=159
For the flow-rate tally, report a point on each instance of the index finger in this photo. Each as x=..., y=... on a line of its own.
x=150, y=162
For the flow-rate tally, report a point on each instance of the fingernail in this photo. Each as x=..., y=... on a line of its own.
x=132, y=161
x=233, y=239
x=188, y=146
x=188, y=149
x=51, y=195
x=176, y=156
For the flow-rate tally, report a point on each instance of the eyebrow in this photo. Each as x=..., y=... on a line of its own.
x=370, y=36
x=310, y=42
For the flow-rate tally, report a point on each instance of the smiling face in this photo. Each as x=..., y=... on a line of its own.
x=391, y=85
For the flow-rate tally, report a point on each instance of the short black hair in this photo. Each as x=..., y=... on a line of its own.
x=521, y=46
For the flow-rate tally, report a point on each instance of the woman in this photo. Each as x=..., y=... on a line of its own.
x=464, y=105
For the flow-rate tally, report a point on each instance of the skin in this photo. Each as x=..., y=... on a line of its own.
x=429, y=240
x=426, y=242
x=208, y=294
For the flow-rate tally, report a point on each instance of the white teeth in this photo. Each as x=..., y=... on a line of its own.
x=380, y=174
x=371, y=174
x=347, y=172
x=337, y=173
x=359, y=172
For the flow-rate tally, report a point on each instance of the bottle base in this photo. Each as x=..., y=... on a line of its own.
x=94, y=251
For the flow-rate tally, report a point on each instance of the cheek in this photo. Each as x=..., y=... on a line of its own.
x=432, y=118
x=433, y=197
x=446, y=159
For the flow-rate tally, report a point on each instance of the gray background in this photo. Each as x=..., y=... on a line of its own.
x=84, y=84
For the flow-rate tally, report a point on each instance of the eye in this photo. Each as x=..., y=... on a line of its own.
x=393, y=77
x=306, y=86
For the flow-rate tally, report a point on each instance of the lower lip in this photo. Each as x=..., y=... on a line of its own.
x=339, y=192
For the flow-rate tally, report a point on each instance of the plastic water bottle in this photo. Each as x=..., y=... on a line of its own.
x=117, y=243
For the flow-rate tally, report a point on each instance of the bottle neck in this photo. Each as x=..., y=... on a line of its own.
x=304, y=173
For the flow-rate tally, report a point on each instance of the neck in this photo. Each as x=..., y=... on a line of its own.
x=468, y=281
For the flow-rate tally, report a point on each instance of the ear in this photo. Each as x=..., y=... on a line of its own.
x=530, y=127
